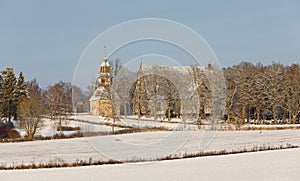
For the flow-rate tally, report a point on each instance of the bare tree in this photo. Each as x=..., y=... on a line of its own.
x=231, y=91
x=202, y=86
x=293, y=91
x=30, y=110
x=274, y=80
x=244, y=80
x=58, y=100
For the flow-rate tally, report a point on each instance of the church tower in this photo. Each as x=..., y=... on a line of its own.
x=104, y=76
x=100, y=102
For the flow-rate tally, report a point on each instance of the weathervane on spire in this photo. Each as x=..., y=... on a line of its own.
x=105, y=58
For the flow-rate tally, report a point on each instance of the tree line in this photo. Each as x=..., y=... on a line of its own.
x=27, y=102
x=255, y=94
x=260, y=93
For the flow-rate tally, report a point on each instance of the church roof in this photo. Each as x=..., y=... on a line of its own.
x=105, y=63
x=101, y=93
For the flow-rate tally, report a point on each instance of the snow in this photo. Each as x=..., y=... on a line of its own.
x=268, y=165
x=144, y=122
x=146, y=145
x=49, y=127
x=101, y=93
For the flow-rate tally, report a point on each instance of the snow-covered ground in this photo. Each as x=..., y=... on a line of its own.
x=49, y=127
x=88, y=124
x=144, y=122
x=146, y=145
x=174, y=124
x=268, y=165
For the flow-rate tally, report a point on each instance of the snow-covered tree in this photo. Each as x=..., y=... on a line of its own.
x=9, y=93
x=203, y=90
x=1, y=97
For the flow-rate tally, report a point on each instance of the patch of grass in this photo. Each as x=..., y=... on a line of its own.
x=67, y=128
x=230, y=152
x=229, y=127
x=59, y=163
x=126, y=131
x=252, y=128
x=79, y=134
x=56, y=136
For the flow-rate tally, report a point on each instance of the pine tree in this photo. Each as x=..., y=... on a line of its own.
x=9, y=93
x=21, y=86
x=1, y=97
x=21, y=91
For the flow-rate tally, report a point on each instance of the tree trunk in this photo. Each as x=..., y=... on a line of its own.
x=154, y=110
x=60, y=128
x=284, y=117
x=243, y=114
x=274, y=113
x=113, y=126
x=258, y=116
x=294, y=117
x=169, y=113
x=125, y=109
x=228, y=117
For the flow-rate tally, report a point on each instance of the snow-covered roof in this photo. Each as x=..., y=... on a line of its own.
x=178, y=75
x=105, y=64
x=101, y=93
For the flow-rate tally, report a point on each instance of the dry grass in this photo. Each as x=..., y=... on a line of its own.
x=127, y=131
x=231, y=127
x=79, y=134
x=56, y=136
x=67, y=128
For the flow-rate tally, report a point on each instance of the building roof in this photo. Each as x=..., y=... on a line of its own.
x=105, y=64
x=101, y=93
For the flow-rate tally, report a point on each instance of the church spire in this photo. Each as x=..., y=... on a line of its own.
x=141, y=65
x=105, y=56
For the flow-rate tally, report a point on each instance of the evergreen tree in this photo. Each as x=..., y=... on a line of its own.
x=21, y=91
x=9, y=93
x=21, y=86
x=1, y=97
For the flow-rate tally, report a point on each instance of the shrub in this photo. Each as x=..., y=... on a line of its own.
x=7, y=132
x=67, y=128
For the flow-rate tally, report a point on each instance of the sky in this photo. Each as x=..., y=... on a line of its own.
x=45, y=39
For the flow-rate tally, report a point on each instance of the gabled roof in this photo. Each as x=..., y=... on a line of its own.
x=101, y=93
x=105, y=64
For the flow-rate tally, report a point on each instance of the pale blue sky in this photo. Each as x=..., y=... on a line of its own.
x=45, y=39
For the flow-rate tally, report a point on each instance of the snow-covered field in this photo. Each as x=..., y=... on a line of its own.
x=268, y=165
x=146, y=145
x=94, y=124
x=144, y=122
x=49, y=127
